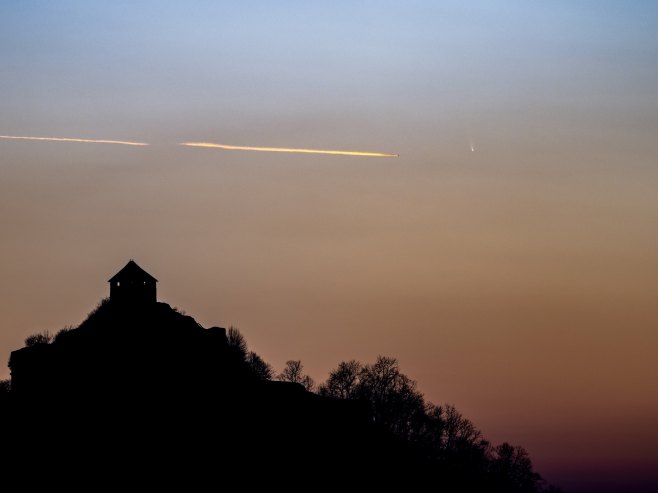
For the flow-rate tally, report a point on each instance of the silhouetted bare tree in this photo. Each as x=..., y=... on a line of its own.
x=294, y=372
x=430, y=430
x=512, y=467
x=259, y=366
x=237, y=342
x=343, y=382
x=396, y=403
x=458, y=432
x=41, y=338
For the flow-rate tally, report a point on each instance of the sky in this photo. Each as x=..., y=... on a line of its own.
x=507, y=258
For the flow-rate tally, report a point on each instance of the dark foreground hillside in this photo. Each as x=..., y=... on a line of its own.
x=142, y=395
x=145, y=393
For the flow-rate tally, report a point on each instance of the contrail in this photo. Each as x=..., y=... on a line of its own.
x=66, y=139
x=284, y=149
x=204, y=144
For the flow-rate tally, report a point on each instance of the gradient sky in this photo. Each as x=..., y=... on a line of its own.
x=518, y=282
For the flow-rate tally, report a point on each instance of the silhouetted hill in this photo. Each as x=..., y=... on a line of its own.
x=144, y=391
x=141, y=395
x=145, y=350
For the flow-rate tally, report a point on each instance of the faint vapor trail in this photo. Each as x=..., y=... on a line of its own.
x=66, y=139
x=284, y=149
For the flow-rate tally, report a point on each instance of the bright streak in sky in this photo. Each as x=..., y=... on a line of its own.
x=66, y=139
x=284, y=149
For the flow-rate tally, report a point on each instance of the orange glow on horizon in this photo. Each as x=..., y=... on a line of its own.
x=285, y=149
x=67, y=139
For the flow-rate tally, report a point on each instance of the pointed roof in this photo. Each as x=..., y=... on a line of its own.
x=132, y=272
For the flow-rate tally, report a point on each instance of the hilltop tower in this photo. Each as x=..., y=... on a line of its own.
x=132, y=284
